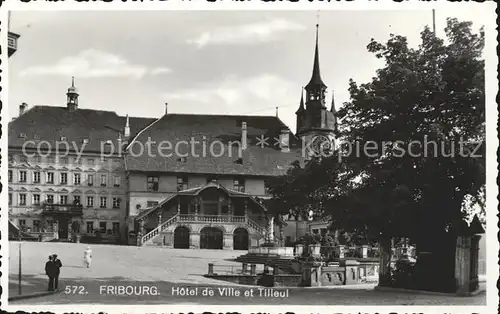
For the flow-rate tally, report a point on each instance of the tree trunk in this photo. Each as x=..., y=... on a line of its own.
x=384, y=275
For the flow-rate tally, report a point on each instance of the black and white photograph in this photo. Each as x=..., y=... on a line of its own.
x=263, y=159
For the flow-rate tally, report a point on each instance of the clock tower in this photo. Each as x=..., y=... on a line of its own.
x=316, y=125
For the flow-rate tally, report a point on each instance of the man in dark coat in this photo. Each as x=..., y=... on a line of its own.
x=50, y=272
x=57, y=267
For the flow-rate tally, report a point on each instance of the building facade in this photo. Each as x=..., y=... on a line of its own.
x=181, y=180
x=66, y=176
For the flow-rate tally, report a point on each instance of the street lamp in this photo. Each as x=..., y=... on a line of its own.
x=20, y=271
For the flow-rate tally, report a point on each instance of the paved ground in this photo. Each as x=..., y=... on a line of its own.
x=156, y=276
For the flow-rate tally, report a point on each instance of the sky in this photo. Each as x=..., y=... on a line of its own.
x=210, y=62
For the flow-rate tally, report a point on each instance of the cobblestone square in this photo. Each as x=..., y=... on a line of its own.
x=170, y=270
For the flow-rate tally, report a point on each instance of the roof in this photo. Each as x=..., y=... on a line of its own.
x=48, y=123
x=177, y=130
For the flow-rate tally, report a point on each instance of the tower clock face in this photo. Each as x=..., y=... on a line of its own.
x=321, y=145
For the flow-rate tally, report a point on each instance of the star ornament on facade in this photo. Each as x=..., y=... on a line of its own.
x=262, y=141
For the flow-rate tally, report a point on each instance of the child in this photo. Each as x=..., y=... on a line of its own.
x=87, y=257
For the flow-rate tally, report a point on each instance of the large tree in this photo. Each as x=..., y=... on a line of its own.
x=412, y=142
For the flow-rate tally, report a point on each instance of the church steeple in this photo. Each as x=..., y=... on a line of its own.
x=72, y=96
x=334, y=111
x=301, y=106
x=316, y=88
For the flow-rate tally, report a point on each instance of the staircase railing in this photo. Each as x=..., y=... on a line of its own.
x=256, y=226
x=156, y=231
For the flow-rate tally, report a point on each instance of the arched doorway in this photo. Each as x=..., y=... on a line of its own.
x=211, y=238
x=240, y=239
x=181, y=238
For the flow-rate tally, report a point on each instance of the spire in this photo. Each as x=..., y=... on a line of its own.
x=332, y=109
x=301, y=106
x=316, y=76
x=72, y=96
x=277, y=111
x=127, y=128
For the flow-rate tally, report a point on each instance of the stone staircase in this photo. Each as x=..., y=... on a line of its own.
x=253, y=227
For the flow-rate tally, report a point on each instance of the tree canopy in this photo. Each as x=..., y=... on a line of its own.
x=412, y=141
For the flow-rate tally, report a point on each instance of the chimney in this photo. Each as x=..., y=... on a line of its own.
x=126, y=132
x=285, y=140
x=22, y=108
x=166, y=108
x=244, y=135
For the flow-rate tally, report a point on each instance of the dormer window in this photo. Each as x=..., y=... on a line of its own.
x=23, y=135
x=182, y=160
x=85, y=141
x=63, y=138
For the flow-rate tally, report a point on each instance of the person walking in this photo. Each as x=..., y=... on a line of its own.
x=57, y=270
x=50, y=272
x=87, y=257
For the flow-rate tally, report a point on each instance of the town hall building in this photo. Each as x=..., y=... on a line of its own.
x=202, y=182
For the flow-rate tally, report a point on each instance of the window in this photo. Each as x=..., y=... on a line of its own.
x=267, y=188
x=91, y=162
x=11, y=158
x=212, y=179
x=103, y=201
x=22, y=176
x=36, y=177
x=63, y=161
x=22, y=199
x=152, y=204
x=116, y=202
x=153, y=184
x=102, y=226
x=90, y=201
x=10, y=198
x=36, y=199
x=315, y=231
x=77, y=161
x=76, y=199
x=116, y=227
x=10, y=175
x=90, y=227
x=64, y=178
x=36, y=226
x=50, y=177
x=50, y=199
x=23, y=159
x=50, y=160
x=76, y=179
x=50, y=225
x=63, y=199
x=90, y=179
x=22, y=222
x=117, y=181
x=103, y=180
x=182, y=183
x=239, y=185
x=37, y=159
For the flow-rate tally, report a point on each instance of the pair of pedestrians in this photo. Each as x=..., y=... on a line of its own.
x=52, y=270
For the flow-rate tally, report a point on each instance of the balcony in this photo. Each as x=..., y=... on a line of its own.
x=212, y=218
x=62, y=209
x=12, y=43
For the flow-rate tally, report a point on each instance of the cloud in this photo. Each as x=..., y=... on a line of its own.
x=93, y=63
x=254, y=95
x=246, y=33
